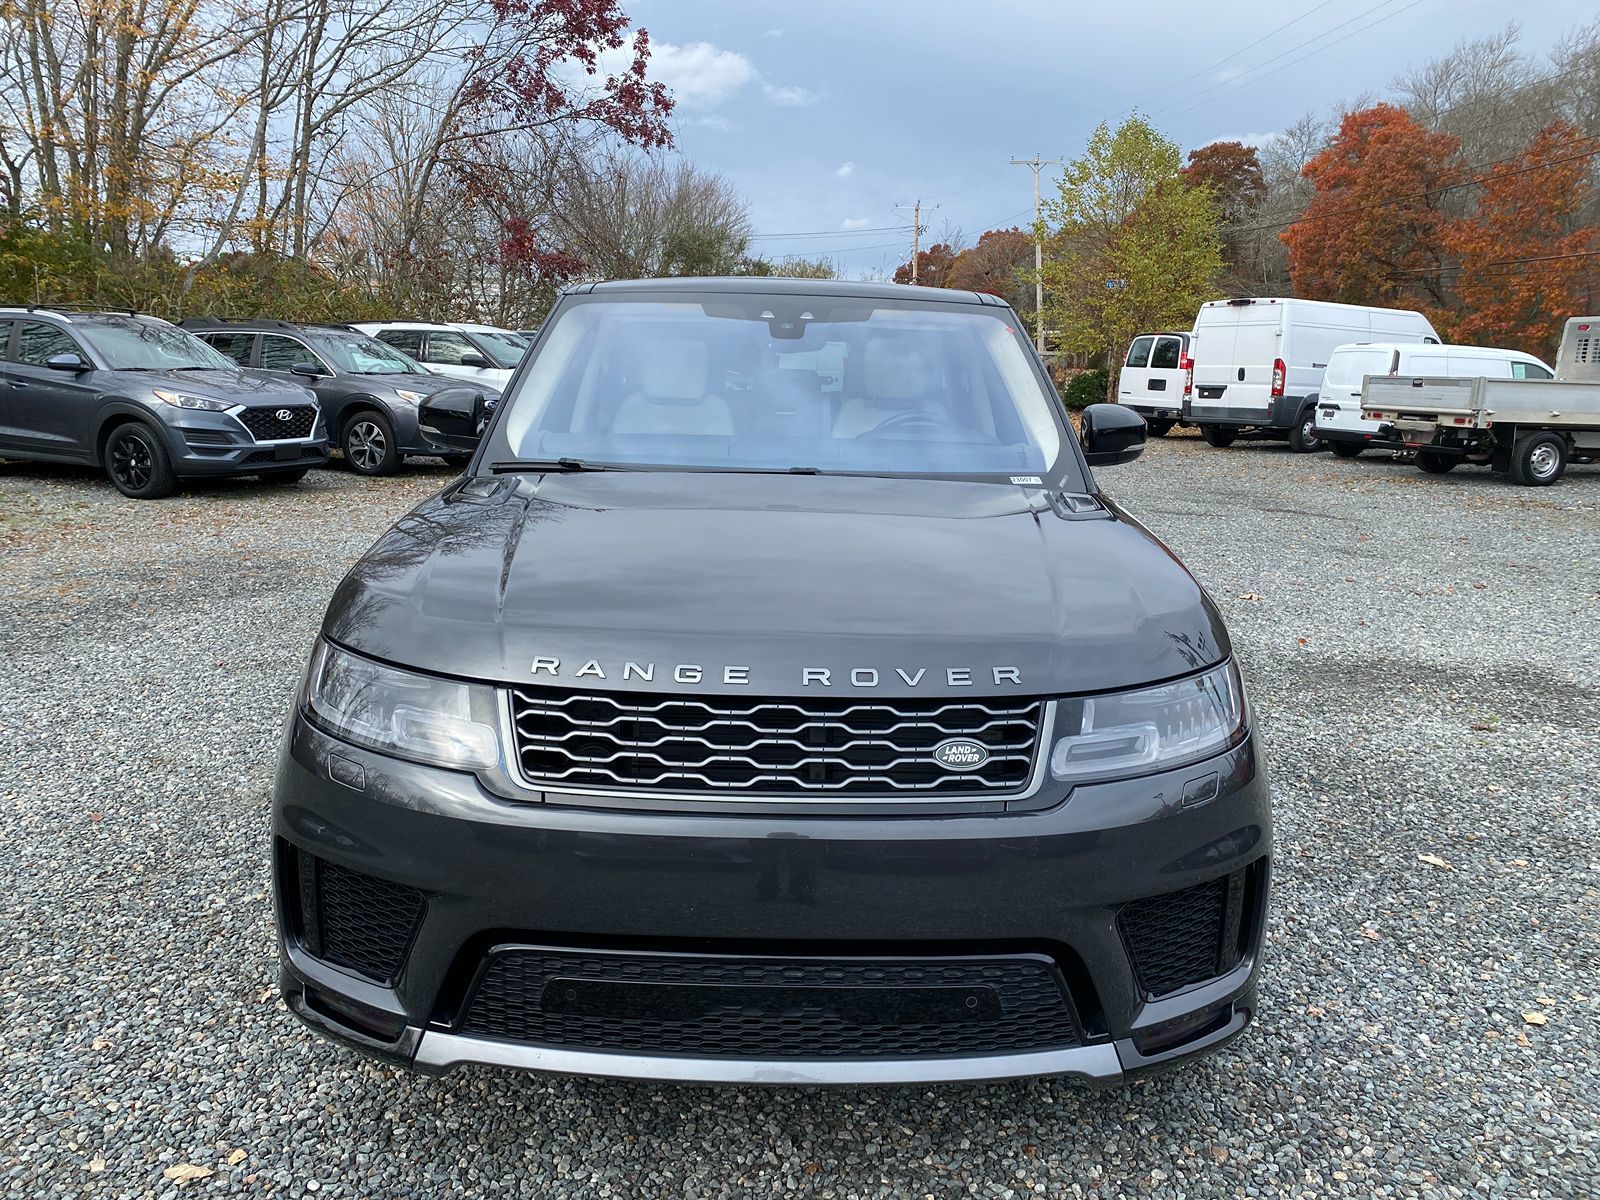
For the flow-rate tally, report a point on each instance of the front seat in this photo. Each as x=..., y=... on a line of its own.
x=895, y=378
x=670, y=396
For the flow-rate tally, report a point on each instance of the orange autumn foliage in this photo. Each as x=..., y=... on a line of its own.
x=1373, y=232
x=1518, y=268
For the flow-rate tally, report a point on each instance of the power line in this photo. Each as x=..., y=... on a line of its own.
x=1229, y=58
x=835, y=248
x=1437, y=191
x=1484, y=273
x=1241, y=81
x=868, y=229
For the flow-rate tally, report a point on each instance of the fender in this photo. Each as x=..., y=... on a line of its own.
x=111, y=408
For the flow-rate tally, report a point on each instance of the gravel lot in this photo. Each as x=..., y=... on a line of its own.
x=1424, y=655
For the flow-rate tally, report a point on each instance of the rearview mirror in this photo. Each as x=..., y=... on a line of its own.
x=310, y=369
x=70, y=361
x=1111, y=434
x=474, y=360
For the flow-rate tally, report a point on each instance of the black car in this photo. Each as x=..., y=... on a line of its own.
x=146, y=401
x=777, y=699
x=380, y=405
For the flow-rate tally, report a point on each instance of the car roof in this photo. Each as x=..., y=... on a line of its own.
x=251, y=324
x=777, y=285
x=1435, y=347
x=69, y=315
x=402, y=325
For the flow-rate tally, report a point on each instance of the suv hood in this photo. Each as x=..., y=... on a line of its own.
x=254, y=388
x=892, y=587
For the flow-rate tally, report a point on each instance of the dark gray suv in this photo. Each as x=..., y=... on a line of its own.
x=380, y=404
x=777, y=699
x=146, y=401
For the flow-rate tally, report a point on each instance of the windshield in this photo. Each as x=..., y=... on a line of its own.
x=1346, y=368
x=140, y=344
x=358, y=354
x=752, y=382
x=501, y=345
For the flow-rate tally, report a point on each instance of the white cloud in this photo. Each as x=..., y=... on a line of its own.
x=790, y=97
x=773, y=33
x=855, y=223
x=1258, y=140
x=845, y=170
x=699, y=75
x=720, y=124
x=1228, y=74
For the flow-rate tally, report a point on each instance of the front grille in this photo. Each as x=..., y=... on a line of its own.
x=817, y=748
x=354, y=920
x=1179, y=938
x=265, y=425
x=712, y=1006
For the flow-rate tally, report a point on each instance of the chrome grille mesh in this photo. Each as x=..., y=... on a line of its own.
x=815, y=748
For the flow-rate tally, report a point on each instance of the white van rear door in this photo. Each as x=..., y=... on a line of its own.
x=1237, y=345
x=1135, y=369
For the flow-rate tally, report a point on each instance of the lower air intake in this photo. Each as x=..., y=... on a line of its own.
x=357, y=921
x=772, y=1008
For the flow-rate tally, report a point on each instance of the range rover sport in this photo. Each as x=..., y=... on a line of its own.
x=776, y=699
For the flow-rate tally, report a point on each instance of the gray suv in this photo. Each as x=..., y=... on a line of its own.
x=147, y=402
x=380, y=404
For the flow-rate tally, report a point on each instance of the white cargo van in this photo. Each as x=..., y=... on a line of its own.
x=1259, y=361
x=1338, y=421
x=1156, y=378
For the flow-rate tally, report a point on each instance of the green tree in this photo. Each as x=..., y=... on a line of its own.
x=1130, y=245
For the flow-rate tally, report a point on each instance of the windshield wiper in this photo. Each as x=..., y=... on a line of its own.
x=548, y=464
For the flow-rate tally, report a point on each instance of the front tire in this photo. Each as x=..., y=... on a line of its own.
x=1346, y=449
x=1435, y=463
x=1538, y=459
x=1303, y=437
x=1158, y=426
x=369, y=444
x=1216, y=435
x=137, y=462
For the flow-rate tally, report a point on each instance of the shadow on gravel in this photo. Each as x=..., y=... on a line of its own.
x=64, y=473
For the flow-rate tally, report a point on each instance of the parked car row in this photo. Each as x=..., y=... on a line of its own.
x=1298, y=369
x=151, y=403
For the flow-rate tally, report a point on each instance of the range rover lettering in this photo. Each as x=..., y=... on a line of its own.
x=777, y=698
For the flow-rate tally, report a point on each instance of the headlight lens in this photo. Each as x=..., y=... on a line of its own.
x=184, y=400
x=409, y=396
x=1148, y=730
x=413, y=716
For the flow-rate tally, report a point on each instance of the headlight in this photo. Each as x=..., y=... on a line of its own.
x=1148, y=730
x=184, y=400
x=410, y=397
x=398, y=712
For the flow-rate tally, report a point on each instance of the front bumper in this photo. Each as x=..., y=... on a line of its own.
x=502, y=878
x=211, y=444
x=1345, y=426
x=1282, y=413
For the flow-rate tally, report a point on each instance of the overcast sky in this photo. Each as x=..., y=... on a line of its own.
x=827, y=114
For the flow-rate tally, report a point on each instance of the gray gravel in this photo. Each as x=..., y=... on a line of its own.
x=1424, y=658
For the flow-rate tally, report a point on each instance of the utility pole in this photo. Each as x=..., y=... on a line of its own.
x=916, y=233
x=1037, y=164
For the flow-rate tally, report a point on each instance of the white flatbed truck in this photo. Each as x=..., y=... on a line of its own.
x=1527, y=429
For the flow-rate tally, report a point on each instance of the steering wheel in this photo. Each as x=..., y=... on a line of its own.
x=911, y=418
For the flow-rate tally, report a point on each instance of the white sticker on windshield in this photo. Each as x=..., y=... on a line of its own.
x=1027, y=479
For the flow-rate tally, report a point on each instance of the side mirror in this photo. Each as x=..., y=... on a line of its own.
x=474, y=360
x=1111, y=434
x=308, y=369
x=70, y=361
